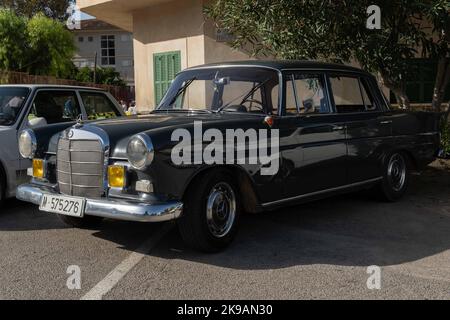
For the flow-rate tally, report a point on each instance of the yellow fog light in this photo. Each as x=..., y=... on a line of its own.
x=116, y=176
x=38, y=168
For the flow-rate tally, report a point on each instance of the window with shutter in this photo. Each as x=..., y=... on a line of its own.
x=165, y=65
x=420, y=84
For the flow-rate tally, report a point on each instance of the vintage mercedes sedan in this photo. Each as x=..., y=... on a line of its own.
x=227, y=139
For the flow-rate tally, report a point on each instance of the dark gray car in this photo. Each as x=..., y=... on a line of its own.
x=31, y=106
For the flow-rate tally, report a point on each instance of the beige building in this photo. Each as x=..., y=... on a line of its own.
x=112, y=46
x=171, y=35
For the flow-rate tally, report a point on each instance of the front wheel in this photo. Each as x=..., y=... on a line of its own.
x=211, y=213
x=81, y=223
x=396, y=175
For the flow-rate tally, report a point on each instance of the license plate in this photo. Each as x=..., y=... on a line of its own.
x=68, y=206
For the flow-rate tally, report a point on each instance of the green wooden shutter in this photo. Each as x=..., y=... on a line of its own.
x=420, y=85
x=166, y=65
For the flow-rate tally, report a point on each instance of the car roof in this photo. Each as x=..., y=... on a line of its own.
x=50, y=86
x=281, y=65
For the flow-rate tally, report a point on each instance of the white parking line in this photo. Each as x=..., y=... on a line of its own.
x=111, y=280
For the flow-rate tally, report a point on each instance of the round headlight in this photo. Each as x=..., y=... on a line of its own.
x=140, y=151
x=27, y=144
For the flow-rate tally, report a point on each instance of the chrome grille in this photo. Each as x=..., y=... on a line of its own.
x=80, y=167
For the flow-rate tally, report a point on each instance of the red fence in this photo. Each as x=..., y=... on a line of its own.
x=10, y=77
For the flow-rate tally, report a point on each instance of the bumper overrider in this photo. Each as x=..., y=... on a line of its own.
x=111, y=208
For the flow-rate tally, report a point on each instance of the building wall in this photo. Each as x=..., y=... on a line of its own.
x=174, y=26
x=85, y=55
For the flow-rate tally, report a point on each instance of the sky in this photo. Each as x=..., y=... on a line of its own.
x=85, y=16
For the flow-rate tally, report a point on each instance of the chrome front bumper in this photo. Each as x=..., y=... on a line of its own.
x=111, y=208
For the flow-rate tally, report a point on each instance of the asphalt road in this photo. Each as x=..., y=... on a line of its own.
x=319, y=250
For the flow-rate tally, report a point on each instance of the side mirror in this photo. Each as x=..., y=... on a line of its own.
x=37, y=122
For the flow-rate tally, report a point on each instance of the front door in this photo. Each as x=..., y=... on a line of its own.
x=312, y=138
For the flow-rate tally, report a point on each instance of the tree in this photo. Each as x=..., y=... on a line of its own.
x=39, y=45
x=438, y=46
x=50, y=47
x=13, y=41
x=55, y=9
x=103, y=76
x=336, y=31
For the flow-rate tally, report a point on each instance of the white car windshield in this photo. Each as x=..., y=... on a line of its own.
x=236, y=89
x=11, y=102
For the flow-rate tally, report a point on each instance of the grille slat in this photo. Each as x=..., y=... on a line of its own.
x=80, y=167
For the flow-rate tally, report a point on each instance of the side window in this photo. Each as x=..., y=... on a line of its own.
x=305, y=94
x=98, y=106
x=53, y=106
x=352, y=95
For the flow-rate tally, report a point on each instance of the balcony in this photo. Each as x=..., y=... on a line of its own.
x=116, y=12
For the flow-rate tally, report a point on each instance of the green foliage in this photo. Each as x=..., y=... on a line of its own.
x=13, y=39
x=55, y=9
x=336, y=31
x=103, y=76
x=51, y=47
x=445, y=139
x=39, y=45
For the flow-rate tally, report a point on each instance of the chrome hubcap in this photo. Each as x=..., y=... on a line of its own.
x=397, y=172
x=221, y=210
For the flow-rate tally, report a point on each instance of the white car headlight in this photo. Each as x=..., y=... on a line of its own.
x=27, y=144
x=140, y=151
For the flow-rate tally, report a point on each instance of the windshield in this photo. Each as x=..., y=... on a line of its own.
x=229, y=89
x=11, y=102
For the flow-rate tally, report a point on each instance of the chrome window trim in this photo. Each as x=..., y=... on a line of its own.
x=278, y=71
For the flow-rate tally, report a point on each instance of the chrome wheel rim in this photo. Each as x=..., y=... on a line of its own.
x=221, y=210
x=396, y=172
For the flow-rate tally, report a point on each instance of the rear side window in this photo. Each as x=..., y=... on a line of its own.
x=98, y=106
x=352, y=94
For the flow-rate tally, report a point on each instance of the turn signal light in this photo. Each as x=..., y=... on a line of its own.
x=38, y=168
x=116, y=176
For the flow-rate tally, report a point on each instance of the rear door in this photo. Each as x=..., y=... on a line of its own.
x=369, y=126
x=312, y=138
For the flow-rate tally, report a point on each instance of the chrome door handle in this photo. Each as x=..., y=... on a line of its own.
x=386, y=122
x=338, y=128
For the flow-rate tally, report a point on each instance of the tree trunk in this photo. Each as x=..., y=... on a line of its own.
x=398, y=90
x=442, y=80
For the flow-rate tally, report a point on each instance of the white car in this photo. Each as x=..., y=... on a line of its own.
x=31, y=106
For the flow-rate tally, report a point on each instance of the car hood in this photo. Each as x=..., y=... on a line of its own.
x=120, y=130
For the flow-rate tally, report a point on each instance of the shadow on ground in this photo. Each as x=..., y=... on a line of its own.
x=349, y=230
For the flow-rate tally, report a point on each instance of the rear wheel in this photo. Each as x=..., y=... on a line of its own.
x=211, y=213
x=396, y=175
x=81, y=223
